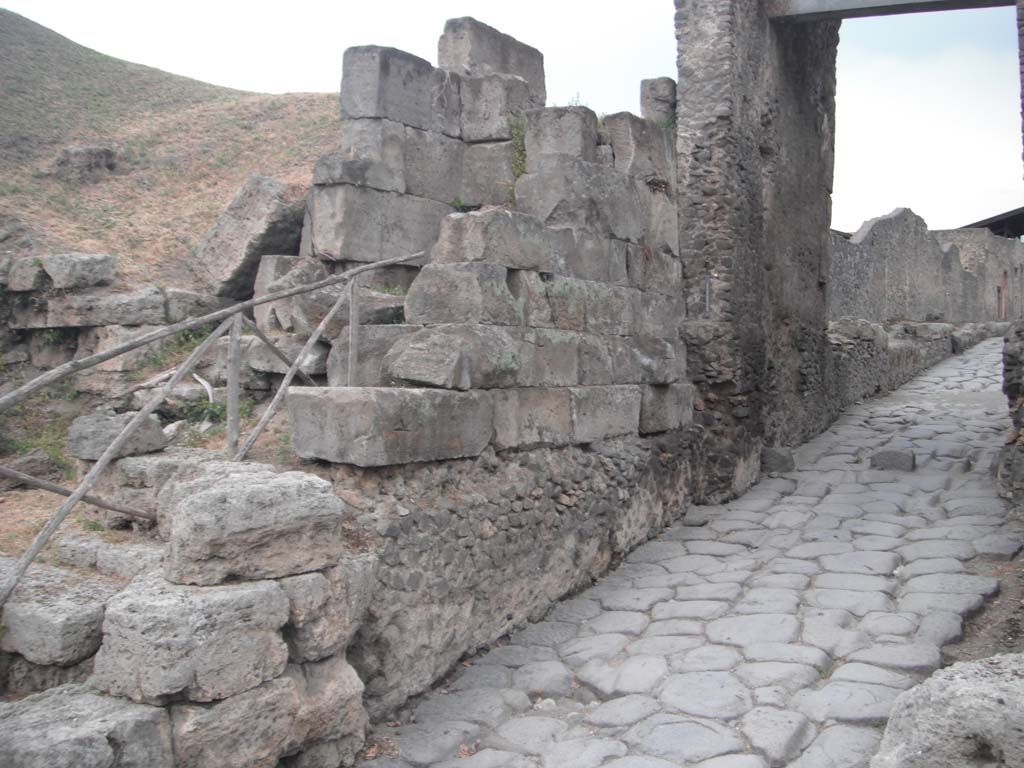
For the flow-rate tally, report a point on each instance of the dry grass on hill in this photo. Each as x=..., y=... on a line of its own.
x=183, y=147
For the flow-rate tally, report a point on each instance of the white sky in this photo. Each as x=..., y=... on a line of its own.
x=928, y=110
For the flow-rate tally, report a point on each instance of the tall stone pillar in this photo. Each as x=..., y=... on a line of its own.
x=756, y=107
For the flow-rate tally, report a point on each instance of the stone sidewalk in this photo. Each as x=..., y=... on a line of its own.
x=775, y=630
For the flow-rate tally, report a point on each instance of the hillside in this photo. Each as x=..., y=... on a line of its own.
x=182, y=149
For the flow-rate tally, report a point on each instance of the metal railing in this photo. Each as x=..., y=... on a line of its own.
x=231, y=321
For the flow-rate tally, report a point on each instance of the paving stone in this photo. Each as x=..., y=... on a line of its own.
x=854, y=581
x=693, y=563
x=578, y=652
x=706, y=694
x=582, y=753
x=924, y=603
x=857, y=603
x=856, y=703
x=674, y=627
x=1001, y=546
x=665, y=645
x=815, y=550
x=726, y=591
x=786, y=652
x=930, y=565
x=913, y=657
x=639, y=762
x=871, y=563
x=481, y=706
x=953, y=584
x=576, y=611
x=768, y=600
x=796, y=581
x=707, y=658
x=733, y=761
x=549, y=633
x=779, y=734
x=485, y=758
x=753, y=628
x=640, y=674
x=620, y=622
x=789, y=565
x=832, y=631
x=681, y=740
x=792, y=677
x=715, y=548
x=960, y=550
x=634, y=599
x=885, y=623
x=689, y=609
x=544, y=678
x=940, y=628
x=428, y=743
x=483, y=676
x=877, y=543
x=840, y=746
x=517, y=655
x=528, y=734
x=624, y=710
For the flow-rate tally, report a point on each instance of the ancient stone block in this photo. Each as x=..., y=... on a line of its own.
x=662, y=225
x=666, y=407
x=654, y=270
x=26, y=274
x=568, y=131
x=550, y=358
x=252, y=524
x=68, y=271
x=433, y=165
x=272, y=268
x=471, y=48
x=361, y=224
x=641, y=148
x=54, y=616
x=459, y=357
x=661, y=315
x=107, y=337
x=183, y=305
x=264, y=217
x=491, y=104
x=374, y=343
x=163, y=641
x=330, y=697
x=250, y=730
x=568, y=192
x=377, y=426
x=904, y=460
x=530, y=290
x=260, y=358
x=91, y=307
x=532, y=416
x=462, y=293
x=584, y=305
x=372, y=154
x=89, y=435
x=658, y=100
x=602, y=412
x=74, y=727
x=511, y=239
x=487, y=174
x=327, y=607
x=588, y=256
x=393, y=84
x=48, y=349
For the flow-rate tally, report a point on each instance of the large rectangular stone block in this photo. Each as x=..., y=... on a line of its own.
x=162, y=641
x=599, y=413
x=585, y=305
x=640, y=148
x=470, y=292
x=513, y=240
x=433, y=165
x=654, y=270
x=272, y=268
x=531, y=416
x=458, y=357
x=570, y=131
x=91, y=307
x=661, y=315
x=372, y=154
x=107, y=337
x=666, y=407
x=589, y=256
x=491, y=105
x=487, y=174
x=530, y=289
x=569, y=192
x=550, y=358
x=375, y=341
x=392, y=84
x=372, y=427
x=259, y=357
x=471, y=48
x=361, y=224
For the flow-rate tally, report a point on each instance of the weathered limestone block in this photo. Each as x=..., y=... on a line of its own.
x=252, y=524
x=250, y=730
x=48, y=349
x=272, y=268
x=89, y=435
x=661, y=315
x=568, y=131
x=107, y=337
x=26, y=274
x=658, y=100
x=568, y=192
x=607, y=360
x=163, y=641
x=462, y=293
x=183, y=305
x=53, y=617
x=264, y=217
x=91, y=307
x=260, y=358
x=361, y=224
x=213, y=367
x=20, y=677
x=503, y=237
x=487, y=174
x=532, y=416
x=471, y=48
x=73, y=727
x=375, y=341
x=330, y=697
x=971, y=713
x=327, y=607
x=372, y=154
x=136, y=480
x=641, y=148
x=433, y=165
x=602, y=412
x=550, y=358
x=659, y=361
x=654, y=270
x=458, y=357
x=663, y=224
x=491, y=104
x=530, y=289
x=63, y=271
x=377, y=426
x=584, y=305
x=666, y=407
x=392, y=84
x=124, y=560
x=589, y=256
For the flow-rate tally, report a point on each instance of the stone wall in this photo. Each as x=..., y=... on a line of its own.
x=755, y=150
x=1011, y=464
x=895, y=269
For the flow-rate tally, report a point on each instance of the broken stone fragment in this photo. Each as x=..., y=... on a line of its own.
x=264, y=217
x=162, y=641
x=372, y=154
x=456, y=357
x=658, y=100
x=374, y=342
x=90, y=435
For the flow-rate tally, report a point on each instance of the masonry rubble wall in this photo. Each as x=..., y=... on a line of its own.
x=894, y=268
x=1011, y=463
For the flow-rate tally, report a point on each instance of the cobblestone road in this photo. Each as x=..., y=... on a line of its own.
x=774, y=630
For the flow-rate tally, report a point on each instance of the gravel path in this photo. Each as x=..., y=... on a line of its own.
x=774, y=630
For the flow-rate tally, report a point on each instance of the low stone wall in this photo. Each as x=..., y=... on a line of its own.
x=1011, y=464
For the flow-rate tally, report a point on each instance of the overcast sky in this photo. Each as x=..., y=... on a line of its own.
x=928, y=104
